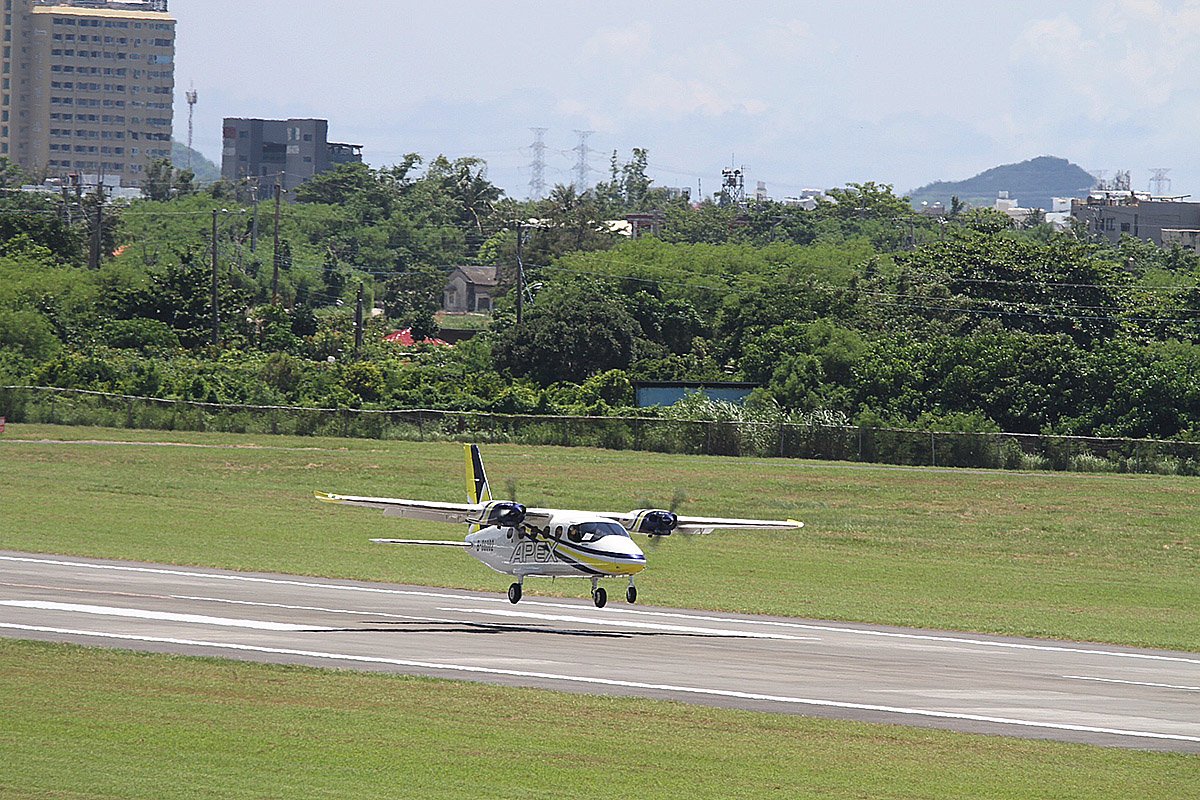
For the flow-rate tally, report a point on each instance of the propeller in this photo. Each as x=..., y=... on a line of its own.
x=665, y=520
x=511, y=486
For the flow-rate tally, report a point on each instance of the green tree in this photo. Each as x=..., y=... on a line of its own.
x=571, y=221
x=354, y=185
x=161, y=182
x=29, y=333
x=333, y=277
x=11, y=174
x=44, y=221
x=574, y=330
x=867, y=200
x=412, y=297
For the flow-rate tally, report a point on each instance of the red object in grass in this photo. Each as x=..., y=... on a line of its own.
x=405, y=338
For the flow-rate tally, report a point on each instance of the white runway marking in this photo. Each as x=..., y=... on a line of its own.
x=165, y=616
x=618, y=610
x=622, y=623
x=1133, y=683
x=322, y=609
x=692, y=690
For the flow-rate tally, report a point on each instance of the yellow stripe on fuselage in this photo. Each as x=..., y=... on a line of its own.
x=605, y=565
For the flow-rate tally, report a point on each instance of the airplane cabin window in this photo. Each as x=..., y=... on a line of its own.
x=591, y=531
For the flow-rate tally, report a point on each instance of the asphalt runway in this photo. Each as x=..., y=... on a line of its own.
x=1100, y=694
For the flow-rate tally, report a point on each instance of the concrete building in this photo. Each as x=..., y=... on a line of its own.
x=666, y=393
x=471, y=289
x=1019, y=214
x=1113, y=214
x=88, y=86
x=1187, y=239
x=293, y=149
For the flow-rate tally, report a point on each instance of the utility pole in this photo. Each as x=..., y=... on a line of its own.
x=520, y=278
x=254, y=224
x=216, y=311
x=275, y=274
x=358, y=321
x=94, y=255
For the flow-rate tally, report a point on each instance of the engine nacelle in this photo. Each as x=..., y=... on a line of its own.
x=652, y=522
x=501, y=513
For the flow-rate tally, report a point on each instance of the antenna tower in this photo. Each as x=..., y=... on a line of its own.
x=537, y=168
x=733, y=186
x=1160, y=184
x=191, y=101
x=582, y=151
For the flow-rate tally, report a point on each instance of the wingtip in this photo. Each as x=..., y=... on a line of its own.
x=325, y=497
x=796, y=522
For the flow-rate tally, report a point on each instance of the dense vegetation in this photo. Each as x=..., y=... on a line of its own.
x=858, y=307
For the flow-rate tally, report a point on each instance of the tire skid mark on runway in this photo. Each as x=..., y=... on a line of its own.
x=312, y=584
x=320, y=609
x=164, y=616
x=1133, y=683
x=625, y=684
x=623, y=623
x=510, y=614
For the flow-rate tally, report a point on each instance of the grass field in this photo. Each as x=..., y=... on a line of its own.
x=1113, y=558
x=79, y=722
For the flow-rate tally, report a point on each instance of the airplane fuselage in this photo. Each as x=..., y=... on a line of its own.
x=560, y=550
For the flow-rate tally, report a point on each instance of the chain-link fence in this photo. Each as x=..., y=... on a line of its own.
x=700, y=437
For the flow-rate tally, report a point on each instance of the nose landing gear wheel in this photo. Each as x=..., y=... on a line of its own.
x=599, y=597
x=514, y=593
x=631, y=594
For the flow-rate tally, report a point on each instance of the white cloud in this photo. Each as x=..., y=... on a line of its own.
x=661, y=93
x=630, y=42
x=1123, y=58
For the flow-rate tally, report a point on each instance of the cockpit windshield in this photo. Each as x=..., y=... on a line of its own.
x=591, y=531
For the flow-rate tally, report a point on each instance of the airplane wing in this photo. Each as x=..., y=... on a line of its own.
x=427, y=510
x=431, y=511
x=703, y=525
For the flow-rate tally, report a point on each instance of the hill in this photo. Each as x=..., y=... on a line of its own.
x=1032, y=183
x=206, y=171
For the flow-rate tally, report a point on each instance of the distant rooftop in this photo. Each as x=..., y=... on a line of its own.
x=121, y=5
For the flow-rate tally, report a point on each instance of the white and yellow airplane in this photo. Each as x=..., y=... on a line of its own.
x=548, y=542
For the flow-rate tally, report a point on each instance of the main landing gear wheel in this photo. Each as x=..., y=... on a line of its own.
x=631, y=594
x=514, y=593
x=599, y=596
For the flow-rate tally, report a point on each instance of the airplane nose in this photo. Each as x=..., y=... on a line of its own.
x=626, y=551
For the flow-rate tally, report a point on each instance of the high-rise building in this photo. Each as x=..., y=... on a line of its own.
x=87, y=86
x=289, y=151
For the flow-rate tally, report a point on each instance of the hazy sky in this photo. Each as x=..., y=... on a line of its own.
x=804, y=94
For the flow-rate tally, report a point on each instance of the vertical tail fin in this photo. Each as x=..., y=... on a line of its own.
x=478, y=490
